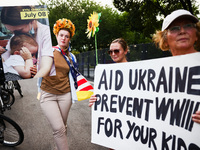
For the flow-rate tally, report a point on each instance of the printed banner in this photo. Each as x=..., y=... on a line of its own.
x=147, y=104
x=34, y=13
x=25, y=36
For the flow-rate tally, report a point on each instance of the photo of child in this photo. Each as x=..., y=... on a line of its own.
x=17, y=67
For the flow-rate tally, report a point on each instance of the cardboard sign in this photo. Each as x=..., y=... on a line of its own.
x=147, y=104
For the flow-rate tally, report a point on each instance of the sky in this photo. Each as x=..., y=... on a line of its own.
x=35, y=2
x=105, y=2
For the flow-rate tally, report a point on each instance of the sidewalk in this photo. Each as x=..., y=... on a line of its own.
x=27, y=113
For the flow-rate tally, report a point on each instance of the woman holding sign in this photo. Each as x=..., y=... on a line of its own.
x=58, y=92
x=11, y=18
x=181, y=35
x=118, y=50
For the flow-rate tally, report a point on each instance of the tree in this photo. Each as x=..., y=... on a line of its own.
x=142, y=15
x=78, y=11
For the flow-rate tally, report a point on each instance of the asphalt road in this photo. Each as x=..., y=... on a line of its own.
x=27, y=113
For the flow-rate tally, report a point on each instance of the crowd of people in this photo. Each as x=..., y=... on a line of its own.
x=29, y=53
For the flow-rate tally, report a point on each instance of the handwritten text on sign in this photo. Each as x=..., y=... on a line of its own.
x=148, y=104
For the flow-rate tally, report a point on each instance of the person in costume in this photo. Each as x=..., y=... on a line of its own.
x=58, y=92
x=11, y=18
x=118, y=50
x=180, y=34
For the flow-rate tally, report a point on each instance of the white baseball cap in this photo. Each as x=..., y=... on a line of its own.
x=176, y=14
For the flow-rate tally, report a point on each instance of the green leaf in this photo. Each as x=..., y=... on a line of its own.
x=97, y=29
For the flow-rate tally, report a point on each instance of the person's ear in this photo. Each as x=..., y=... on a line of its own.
x=126, y=51
x=165, y=43
x=196, y=39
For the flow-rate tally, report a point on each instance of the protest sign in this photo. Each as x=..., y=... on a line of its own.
x=25, y=29
x=147, y=104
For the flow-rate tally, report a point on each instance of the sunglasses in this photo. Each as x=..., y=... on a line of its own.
x=186, y=27
x=116, y=51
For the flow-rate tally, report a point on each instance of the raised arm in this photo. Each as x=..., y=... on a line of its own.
x=24, y=71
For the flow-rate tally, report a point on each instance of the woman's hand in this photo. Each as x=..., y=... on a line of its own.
x=25, y=53
x=33, y=71
x=196, y=117
x=93, y=99
x=2, y=50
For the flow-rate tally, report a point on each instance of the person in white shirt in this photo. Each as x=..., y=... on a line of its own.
x=16, y=67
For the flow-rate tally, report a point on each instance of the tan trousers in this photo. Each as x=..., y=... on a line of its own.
x=56, y=108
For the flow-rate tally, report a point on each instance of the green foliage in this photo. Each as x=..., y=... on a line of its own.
x=142, y=15
x=75, y=52
x=136, y=24
x=78, y=12
x=136, y=38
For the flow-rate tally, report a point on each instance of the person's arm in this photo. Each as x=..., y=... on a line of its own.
x=93, y=99
x=45, y=67
x=33, y=70
x=196, y=117
x=24, y=71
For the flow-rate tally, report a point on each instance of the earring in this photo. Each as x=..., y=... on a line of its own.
x=32, y=32
x=69, y=46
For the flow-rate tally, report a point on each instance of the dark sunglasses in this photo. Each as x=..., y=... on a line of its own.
x=116, y=51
